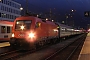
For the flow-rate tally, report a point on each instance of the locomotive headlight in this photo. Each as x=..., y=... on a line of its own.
x=31, y=35
x=22, y=27
x=12, y=34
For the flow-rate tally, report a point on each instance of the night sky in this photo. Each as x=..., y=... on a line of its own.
x=61, y=8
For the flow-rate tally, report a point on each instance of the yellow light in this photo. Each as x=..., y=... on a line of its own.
x=46, y=18
x=55, y=30
x=22, y=27
x=52, y=20
x=88, y=29
x=72, y=10
x=37, y=15
x=63, y=22
x=12, y=34
x=58, y=27
x=21, y=8
x=17, y=22
x=39, y=24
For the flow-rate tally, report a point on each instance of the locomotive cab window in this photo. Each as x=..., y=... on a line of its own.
x=37, y=25
x=26, y=24
x=3, y=29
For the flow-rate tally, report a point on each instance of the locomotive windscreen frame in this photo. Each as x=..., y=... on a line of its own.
x=25, y=23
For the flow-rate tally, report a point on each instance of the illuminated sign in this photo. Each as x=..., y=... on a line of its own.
x=87, y=13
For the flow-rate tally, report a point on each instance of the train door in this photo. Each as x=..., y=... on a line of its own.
x=59, y=28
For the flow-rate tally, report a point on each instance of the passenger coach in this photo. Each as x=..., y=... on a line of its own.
x=5, y=29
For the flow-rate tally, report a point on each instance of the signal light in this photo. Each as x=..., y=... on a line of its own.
x=87, y=13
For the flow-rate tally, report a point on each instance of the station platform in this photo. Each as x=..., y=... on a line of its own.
x=85, y=52
x=4, y=43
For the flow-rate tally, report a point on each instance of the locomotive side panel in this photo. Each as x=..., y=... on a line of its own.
x=41, y=29
x=53, y=30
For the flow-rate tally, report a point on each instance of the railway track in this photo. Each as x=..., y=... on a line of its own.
x=8, y=55
x=67, y=52
x=14, y=54
x=20, y=53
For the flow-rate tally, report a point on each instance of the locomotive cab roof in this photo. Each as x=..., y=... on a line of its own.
x=32, y=17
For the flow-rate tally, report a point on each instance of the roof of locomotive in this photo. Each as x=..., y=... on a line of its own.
x=26, y=17
x=36, y=18
x=6, y=22
x=50, y=22
x=32, y=17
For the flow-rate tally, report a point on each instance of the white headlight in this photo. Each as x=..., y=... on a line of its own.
x=31, y=35
x=22, y=27
x=12, y=34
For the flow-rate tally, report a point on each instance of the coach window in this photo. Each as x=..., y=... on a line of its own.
x=3, y=29
x=2, y=1
x=10, y=3
x=65, y=29
x=8, y=29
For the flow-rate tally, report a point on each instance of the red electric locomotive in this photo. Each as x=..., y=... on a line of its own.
x=29, y=31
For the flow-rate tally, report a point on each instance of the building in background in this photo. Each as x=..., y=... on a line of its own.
x=9, y=10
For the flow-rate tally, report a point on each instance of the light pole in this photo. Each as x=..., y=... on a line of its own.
x=50, y=14
x=72, y=12
x=26, y=6
x=66, y=18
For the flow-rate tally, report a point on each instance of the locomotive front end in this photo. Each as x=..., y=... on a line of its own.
x=22, y=35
